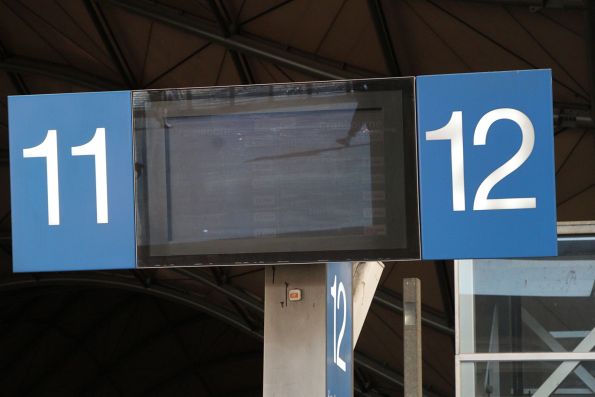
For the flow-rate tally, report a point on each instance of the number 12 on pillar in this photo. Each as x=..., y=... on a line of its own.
x=486, y=165
x=339, y=329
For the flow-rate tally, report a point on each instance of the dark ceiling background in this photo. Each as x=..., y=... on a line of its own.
x=199, y=332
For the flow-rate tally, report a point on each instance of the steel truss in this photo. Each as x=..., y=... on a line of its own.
x=289, y=57
x=132, y=284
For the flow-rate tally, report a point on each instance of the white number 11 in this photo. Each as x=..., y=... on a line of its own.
x=49, y=150
x=96, y=147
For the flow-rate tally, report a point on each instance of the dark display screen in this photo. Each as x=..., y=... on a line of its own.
x=261, y=177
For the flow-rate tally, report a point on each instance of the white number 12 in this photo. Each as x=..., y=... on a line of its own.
x=337, y=300
x=453, y=131
x=49, y=150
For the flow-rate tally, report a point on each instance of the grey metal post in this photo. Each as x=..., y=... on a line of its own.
x=412, y=337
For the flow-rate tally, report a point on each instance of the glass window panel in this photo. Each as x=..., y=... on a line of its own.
x=525, y=305
x=528, y=378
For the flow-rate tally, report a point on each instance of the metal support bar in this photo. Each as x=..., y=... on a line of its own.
x=581, y=372
x=572, y=115
x=381, y=297
x=532, y=356
x=412, y=337
x=267, y=11
x=569, y=119
x=15, y=77
x=227, y=290
x=242, y=44
x=548, y=387
x=446, y=290
x=385, y=373
x=110, y=42
x=384, y=37
x=380, y=370
x=591, y=50
x=57, y=71
x=390, y=301
x=220, y=17
x=226, y=26
x=241, y=64
x=575, y=228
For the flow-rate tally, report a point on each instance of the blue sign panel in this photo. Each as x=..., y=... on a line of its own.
x=486, y=165
x=72, y=182
x=339, y=329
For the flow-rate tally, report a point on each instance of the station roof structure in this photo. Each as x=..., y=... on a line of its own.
x=199, y=331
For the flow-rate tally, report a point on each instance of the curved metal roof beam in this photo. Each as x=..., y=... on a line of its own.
x=305, y=63
x=112, y=366
x=16, y=79
x=382, y=296
x=57, y=71
x=226, y=289
x=181, y=297
x=110, y=42
x=186, y=299
x=77, y=347
x=384, y=37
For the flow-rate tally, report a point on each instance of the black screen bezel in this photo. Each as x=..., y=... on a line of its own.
x=412, y=250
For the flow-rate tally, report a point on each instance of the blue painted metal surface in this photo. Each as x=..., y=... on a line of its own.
x=475, y=232
x=77, y=240
x=339, y=329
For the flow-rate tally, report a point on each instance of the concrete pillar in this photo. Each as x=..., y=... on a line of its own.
x=313, y=315
x=295, y=332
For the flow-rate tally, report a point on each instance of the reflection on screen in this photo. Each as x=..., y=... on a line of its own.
x=298, y=173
